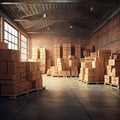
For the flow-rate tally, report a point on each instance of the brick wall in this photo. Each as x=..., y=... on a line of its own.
x=108, y=37
x=47, y=42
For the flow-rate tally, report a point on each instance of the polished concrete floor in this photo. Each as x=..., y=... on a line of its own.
x=64, y=99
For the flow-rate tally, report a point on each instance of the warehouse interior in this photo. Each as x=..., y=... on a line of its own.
x=59, y=60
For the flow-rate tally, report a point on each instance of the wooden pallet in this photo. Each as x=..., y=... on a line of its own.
x=107, y=83
x=115, y=86
x=14, y=96
x=61, y=76
x=97, y=82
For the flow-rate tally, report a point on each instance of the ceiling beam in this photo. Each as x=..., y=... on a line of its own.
x=91, y=2
x=62, y=20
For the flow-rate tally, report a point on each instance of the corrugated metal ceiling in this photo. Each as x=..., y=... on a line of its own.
x=57, y=16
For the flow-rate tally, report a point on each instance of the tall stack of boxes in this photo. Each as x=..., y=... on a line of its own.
x=88, y=50
x=77, y=51
x=15, y=76
x=57, y=53
x=73, y=65
x=43, y=60
x=35, y=53
x=93, y=68
x=113, y=71
x=62, y=67
x=34, y=75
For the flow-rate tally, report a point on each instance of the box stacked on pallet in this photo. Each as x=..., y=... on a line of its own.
x=68, y=49
x=3, y=45
x=35, y=53
x=57, y=53
x=93, y=68
x=49, y=61
x=77, y=51
x=10, y=73
x=88, y=50
x=43, y=60
x=73, y=64
x=62, y=67
x=54, y=71
x=113, y=71
x=34, y=75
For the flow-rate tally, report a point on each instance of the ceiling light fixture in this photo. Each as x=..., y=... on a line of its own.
x=71, y=27
x=91, y=8
x=44, y=15
x=48, y=28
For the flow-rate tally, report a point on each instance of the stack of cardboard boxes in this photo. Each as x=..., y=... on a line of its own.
x=88, y=50
x=73, y=65
x=77, y=51
x=15, y=76
x=113, y=71
x=43, y=60
x=34, y=75
x=57, y=53
x=93, y=68
x=35, y=53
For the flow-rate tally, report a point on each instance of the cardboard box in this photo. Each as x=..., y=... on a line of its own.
x=16, y=70
x=3, y=67
x=24, y=86
x=104, y=52
x=107, y=79
x=10, y=89
x=9, y=55
x=115, y=73
x=10, y=77
x=37, y=84
x=74, y=73
x=32, y=66
x=35, y=75
x=114, y=62
x=115, y=81
x=3, y=45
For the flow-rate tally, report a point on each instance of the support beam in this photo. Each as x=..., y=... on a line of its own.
x=62, y=20
x=91, y=2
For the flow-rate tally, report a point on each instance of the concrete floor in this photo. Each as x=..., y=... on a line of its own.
x=64, y=99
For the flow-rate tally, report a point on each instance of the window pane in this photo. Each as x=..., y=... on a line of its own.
x=13, y=39
x=9, y=45
x=6, y=35
x=15, y=47
x=9, y=36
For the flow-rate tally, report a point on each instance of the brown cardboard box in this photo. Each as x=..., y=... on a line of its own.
x=115, y=73
x=32, y=76
x=9, y=55
x=32, y=66
x=10, y=89
x=37, y=84
x=104, y=52
x=3, y=45
x=115, y=81
x=16, y=70
x=114, y=62
x=24, y=86
x=89, y=71
x=10, y=77
x=3, y=67
x=107, y=79
x=74, y=73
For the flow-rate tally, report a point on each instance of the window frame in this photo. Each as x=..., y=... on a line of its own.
x=24, y=47
x=11, y=36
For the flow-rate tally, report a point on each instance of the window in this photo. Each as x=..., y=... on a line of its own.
x=24, y=48
x=10, y=36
